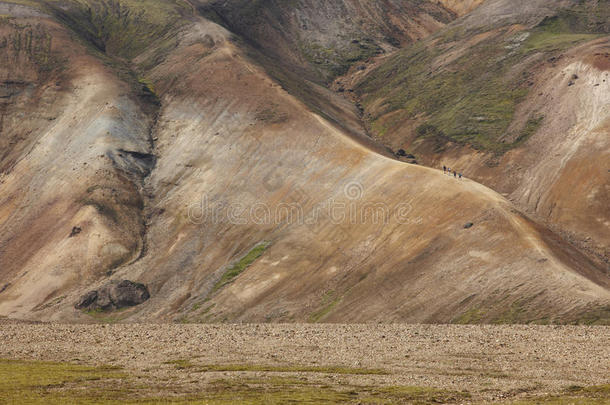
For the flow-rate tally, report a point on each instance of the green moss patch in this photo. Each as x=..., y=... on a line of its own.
x=332, y=62
x=561, y=32
x=185, y=364
x=23, y=382
x=237, y=268
x=473, y=315
x=329, y=301
x=121, y=28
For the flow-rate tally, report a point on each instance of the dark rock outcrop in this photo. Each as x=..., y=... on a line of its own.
x=114, y=295
x=75, y=231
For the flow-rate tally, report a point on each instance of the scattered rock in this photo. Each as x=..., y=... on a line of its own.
x=75, y=231
x=134, y=162
x=403, y=153
x=468, y=225
x=573, y=81
x=114, y=295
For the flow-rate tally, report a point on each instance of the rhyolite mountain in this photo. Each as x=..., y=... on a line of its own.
x=194, y=147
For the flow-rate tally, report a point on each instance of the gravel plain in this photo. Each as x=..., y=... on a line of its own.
x=490, y=362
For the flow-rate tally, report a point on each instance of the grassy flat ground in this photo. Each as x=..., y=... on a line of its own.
x=277, y=364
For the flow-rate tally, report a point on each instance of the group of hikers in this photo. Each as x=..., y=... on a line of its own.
x=448, y=170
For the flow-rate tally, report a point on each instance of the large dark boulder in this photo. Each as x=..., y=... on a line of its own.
x=87, y=300
x=114, y=295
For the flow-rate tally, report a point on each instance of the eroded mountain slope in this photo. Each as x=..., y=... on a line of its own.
x=66, y=120
x=304, y=45
x=321, y=40
x=515, y=96
x=256, y=209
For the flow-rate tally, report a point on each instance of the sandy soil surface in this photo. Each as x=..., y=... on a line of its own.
x=490, y=362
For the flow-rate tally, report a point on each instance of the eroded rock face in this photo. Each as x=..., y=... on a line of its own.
x=114, y=295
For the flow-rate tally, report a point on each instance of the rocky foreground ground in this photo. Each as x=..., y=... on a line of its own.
x=462, y=364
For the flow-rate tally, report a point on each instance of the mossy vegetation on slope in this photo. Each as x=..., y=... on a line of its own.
x=468, y=102
x=331, y=62
x=237, y=268
x=322, y=40
x=329, y=301
x=117, y=32
x=568, y=28
x=125, y=28
x=472, y=100
x=32, y=40
x=122, y=28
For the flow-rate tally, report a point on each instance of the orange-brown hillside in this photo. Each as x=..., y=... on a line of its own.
x=515, y=95
x=174, y=157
